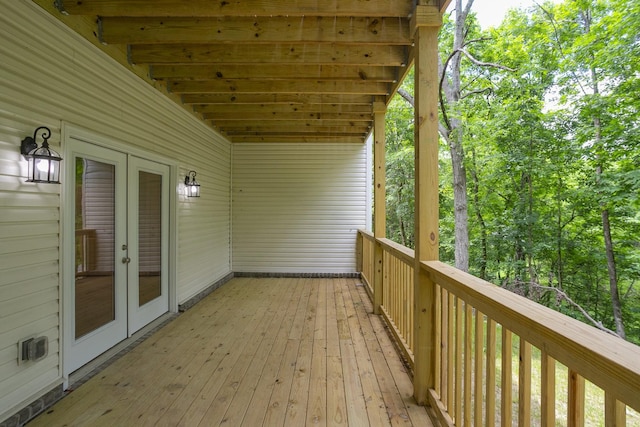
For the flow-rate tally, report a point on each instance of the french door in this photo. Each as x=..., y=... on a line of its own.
x=116, y=278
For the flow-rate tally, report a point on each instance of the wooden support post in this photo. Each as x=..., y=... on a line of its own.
x=379, y=170
x=378, y=277
x=359, y=251
x=426, y=21
x=379, y=213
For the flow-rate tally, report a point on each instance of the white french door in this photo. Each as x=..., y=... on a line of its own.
x=116, y=248
x=148, y=242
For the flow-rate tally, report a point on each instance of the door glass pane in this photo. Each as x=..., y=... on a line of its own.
x=149, y=236
x=95, y=245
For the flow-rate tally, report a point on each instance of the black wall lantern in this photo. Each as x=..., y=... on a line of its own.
x=44, y=163
x=191, y=186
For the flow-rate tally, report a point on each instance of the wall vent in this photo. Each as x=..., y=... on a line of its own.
x=33, y=349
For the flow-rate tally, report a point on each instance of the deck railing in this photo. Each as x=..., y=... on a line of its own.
x=500, y=357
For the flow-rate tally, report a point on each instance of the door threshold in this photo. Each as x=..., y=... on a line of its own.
x=86, y=372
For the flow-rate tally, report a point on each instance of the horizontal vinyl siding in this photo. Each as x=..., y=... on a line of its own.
x=296, y=208
x=50, y=76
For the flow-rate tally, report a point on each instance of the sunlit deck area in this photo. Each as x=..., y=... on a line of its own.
x=257, y=351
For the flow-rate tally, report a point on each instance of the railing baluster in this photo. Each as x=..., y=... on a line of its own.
x=459, y=358
x=506, y=414
x=615, y=412
x=548, y=389
x=468, y=328
x=524, y=385
x=437, y=328
x=403, y=296
x=444, y=351
x=450, y=353
x=386, y=285
x=490, y=414
x=575, y=400
x=478, y=368
x=411, y=280
x=397, y=296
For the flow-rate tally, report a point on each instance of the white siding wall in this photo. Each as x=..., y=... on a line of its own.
x=296, y=208
x=49, y=75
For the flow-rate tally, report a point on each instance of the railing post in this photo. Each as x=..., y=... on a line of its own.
x=359, y=251
x=378, y=277
x=426, y=22
x=379, y=215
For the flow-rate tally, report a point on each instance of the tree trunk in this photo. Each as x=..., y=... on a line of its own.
x=606, y=225
x=613, y=279
x=483, y=225
x=559, y=227
x=460, y=200
x=455, y=132
x=403, y=234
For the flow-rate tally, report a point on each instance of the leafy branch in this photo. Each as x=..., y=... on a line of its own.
x=473, y=60
x=562, y=296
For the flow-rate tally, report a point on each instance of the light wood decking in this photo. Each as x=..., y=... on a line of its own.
x=271, y=352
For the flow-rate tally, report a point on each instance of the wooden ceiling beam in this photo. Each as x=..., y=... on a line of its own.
x=274, y=98
x=282, y=87
x=276, y=29
x=273, y=72
x=295, y=131
x=317, y=139
x=162, y=8
x=269, y=116
x=242, y=110
x=293, y=54
x=286, y=126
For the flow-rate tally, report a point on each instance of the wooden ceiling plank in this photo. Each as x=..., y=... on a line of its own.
x=269, y=54
x=273, y=72
x=301, y=87
x=274, y=98
x=192, y=8
x=238, y=30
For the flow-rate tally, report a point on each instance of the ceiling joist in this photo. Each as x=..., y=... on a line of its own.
x=317, y=72
x=255, y=30
x=292, y=54
x=267, y=70
x=232, y=8
x=294, y=87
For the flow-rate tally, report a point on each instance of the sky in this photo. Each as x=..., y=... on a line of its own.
x=491, y=12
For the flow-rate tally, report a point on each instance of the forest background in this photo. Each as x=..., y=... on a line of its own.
x=540, y=156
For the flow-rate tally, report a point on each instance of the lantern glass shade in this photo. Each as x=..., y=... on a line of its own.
x=193, y=190
x=191, y=186
x=43, y=165
x=43, y=162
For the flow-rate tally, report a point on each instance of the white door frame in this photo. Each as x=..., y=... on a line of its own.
x=67, y=235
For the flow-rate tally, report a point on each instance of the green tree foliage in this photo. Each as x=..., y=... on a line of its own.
x=552, y=142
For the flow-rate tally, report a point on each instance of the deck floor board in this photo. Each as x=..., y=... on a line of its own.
x=258, y=351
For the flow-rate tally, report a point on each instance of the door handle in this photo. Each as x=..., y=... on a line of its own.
x=126, y=260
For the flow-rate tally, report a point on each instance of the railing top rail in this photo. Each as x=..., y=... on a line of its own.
x=367, y=234
x=402, y=252
x=609, y=362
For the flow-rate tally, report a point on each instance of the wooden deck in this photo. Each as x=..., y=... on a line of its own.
x=271, y=352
